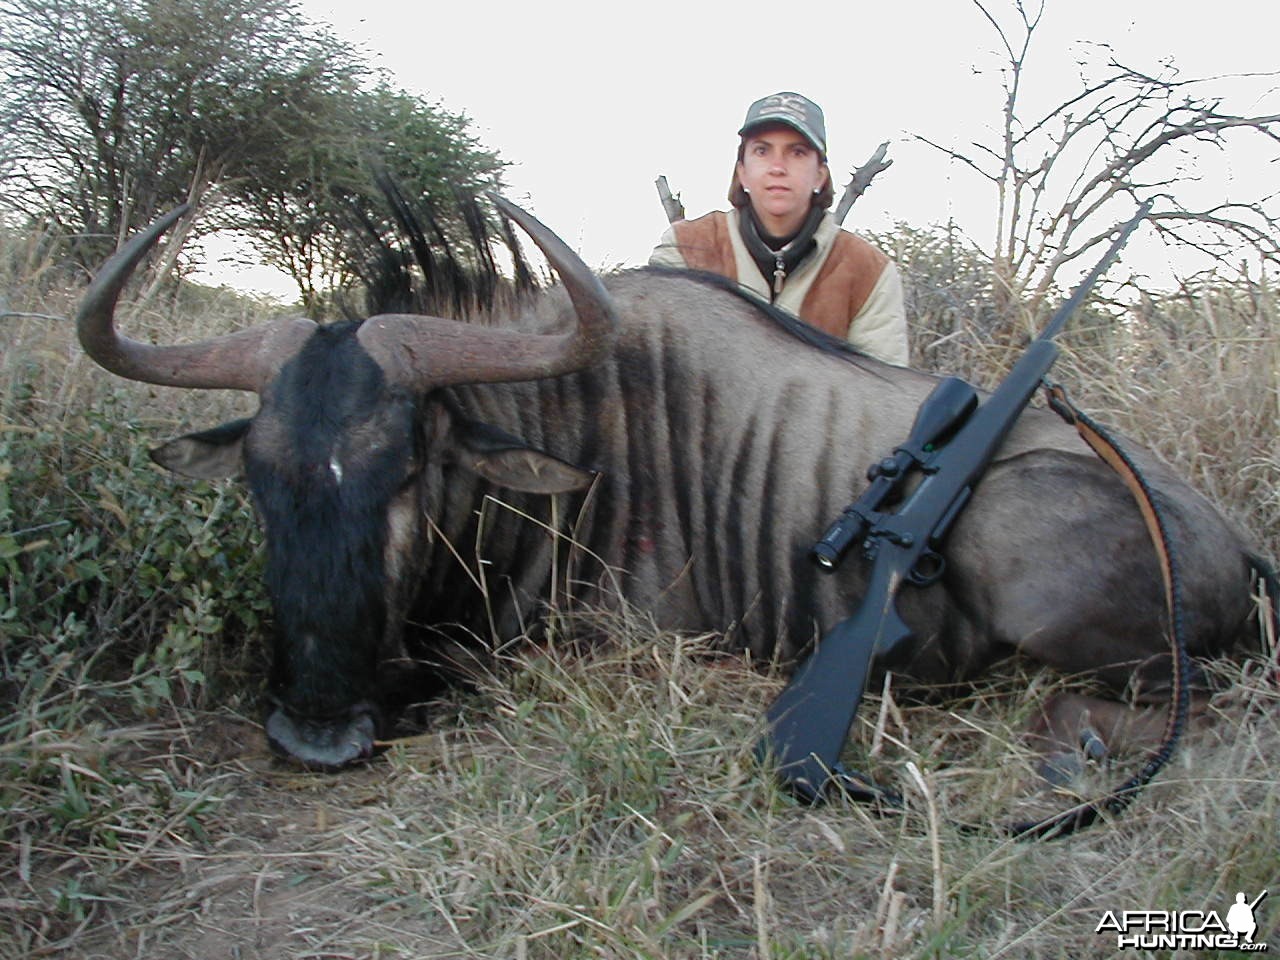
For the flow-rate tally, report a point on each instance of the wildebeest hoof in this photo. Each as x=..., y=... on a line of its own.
x=1094, y=747
x=1063, y=766
x=323, y=744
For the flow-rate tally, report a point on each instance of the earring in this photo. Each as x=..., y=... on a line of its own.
x=816, y=191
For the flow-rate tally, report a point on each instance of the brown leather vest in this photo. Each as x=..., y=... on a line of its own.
x=845, y=279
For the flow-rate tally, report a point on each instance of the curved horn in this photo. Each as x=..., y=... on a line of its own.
x=429, y=352
x=239, y=361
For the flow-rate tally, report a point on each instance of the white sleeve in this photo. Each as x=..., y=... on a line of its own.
x=667, y=252
x=880, y=327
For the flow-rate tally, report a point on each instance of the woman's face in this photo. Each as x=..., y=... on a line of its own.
x=780, y=171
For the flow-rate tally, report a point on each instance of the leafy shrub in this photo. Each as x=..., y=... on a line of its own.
x=103, y=547
x=125, y=591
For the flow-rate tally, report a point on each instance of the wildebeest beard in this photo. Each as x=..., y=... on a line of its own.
x=328, y=452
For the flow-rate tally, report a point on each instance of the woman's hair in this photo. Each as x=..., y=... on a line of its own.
x=739, y=198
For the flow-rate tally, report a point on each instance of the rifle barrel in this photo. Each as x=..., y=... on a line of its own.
x=1082, y=289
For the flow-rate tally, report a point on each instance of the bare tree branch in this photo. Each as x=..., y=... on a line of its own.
x=1059, y=178
x=861, y=179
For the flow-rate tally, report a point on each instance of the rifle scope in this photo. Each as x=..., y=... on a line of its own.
x=943, y=411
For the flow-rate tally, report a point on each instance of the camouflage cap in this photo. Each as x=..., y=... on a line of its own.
x=799, y=113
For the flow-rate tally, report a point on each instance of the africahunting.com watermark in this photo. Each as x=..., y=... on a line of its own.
x=1186, y=929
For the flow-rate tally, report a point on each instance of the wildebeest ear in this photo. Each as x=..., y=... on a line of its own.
x=510, y=462
x=208, y=455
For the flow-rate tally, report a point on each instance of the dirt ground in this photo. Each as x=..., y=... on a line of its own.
x=274, y=881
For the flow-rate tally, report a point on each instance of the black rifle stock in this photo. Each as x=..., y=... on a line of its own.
x=951, y=443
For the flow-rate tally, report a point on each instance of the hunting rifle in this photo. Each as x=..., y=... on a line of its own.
x=952, y=441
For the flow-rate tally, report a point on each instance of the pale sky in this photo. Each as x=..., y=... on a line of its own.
x=591, y=102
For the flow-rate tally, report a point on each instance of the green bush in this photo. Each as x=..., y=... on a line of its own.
x=127, y=593
x=106, y=549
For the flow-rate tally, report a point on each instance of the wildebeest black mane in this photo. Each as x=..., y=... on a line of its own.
x=787, y=321
x=416, y=264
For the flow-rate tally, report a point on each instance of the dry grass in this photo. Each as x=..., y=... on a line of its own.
x=606, y=805
x=580, y=804
x=1194, y=377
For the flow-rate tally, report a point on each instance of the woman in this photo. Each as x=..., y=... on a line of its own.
x=780, y=241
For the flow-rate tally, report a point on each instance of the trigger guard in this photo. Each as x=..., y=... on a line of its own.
x=928, y=569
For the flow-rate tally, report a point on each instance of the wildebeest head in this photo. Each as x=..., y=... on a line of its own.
x=339, y=459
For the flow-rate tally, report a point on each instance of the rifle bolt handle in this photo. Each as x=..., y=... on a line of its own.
x=888, y=467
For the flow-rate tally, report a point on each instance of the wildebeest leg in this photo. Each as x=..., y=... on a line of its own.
x=1073, y=727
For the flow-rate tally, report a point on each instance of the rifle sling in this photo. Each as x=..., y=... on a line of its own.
x=1179, y=702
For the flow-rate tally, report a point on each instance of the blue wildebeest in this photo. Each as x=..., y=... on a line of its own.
x=703, y=446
